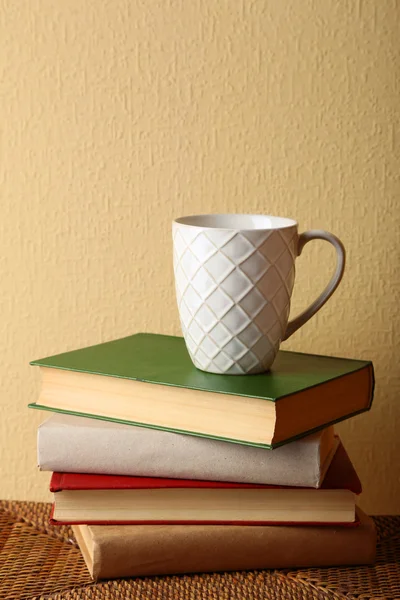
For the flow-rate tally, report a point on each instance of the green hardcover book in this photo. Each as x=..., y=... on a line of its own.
x=150, y=381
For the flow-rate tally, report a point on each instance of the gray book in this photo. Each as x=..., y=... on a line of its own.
x=73, y=444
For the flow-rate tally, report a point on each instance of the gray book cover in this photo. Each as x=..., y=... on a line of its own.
x=73, y=444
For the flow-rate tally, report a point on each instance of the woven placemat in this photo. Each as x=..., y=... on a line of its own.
x=38, y=561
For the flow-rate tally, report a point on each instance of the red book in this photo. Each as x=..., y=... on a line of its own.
x=105, y=499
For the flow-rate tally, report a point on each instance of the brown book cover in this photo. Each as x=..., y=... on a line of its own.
x=112, y=551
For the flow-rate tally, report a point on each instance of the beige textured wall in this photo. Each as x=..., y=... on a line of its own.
x=118, y=115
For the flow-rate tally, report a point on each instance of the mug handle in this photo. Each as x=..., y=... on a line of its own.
x=317, y=234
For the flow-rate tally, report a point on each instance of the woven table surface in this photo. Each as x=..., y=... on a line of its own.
x=41, y=561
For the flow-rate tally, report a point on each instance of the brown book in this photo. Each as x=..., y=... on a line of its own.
x=112, y=551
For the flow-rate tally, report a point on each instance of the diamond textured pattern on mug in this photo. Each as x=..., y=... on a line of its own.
x=203, y=283
x=220, y=303
x=189, y=263
x=219, y=266
x=237, y=284
x=220, y=334
x=238, y=249
x=191, y=299
x=233, y=290
x=255, y=266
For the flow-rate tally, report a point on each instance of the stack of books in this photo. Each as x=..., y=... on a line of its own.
x=162, y=468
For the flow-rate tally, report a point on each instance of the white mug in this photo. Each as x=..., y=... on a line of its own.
x=234, y=277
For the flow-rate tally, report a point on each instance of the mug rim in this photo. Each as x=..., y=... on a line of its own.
x=282, y=222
